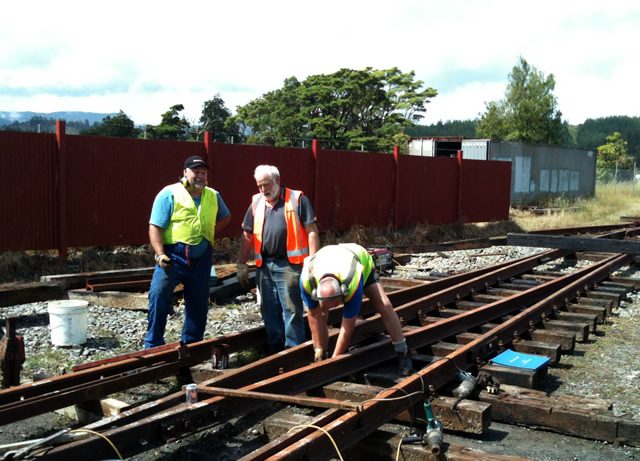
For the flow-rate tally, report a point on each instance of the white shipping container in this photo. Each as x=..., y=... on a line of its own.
x=422, y=147
x=475, y=149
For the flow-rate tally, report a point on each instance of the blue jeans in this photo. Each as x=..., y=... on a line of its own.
x=281, y=304
x=194, y=275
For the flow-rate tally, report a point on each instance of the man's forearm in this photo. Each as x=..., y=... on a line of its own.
x=313, y=238
x=155, y=239
x=246, y=240
x=221, y=224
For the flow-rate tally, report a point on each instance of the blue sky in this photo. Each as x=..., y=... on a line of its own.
x=144, y=56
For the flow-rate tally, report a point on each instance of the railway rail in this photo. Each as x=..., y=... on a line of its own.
x=494, y=308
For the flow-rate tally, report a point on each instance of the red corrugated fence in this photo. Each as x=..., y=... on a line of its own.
x=65, y=191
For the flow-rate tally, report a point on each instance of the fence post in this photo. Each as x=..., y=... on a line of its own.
x=396, y=187
x=315, y=147
x=63, y=238
x=208, y=148
x=460, y=218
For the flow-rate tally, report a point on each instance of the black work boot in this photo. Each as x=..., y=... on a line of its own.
x=405, y=364
x=184, y=376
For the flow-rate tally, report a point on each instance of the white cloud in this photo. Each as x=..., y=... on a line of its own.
x=143, y=57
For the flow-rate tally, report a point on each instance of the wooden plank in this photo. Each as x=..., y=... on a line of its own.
x=79, y=280
x=531, y=379
x=537, y=278
x=566, y=339
x=486, y=298
x=596, y=294
x=621, y=292
x=586, y=418
x=580, y=329
x=502, y=291
x=629, y=432
x=12, y=294
x=634, y=281
x=519, y=287
x=442, y=348
x=380, y=445
x=455, y=414
x=606, y=303
x=574, y=243
x=591, y=319
x=553, y=351
x=599, y=312
x=629, y=286
x=468, y=305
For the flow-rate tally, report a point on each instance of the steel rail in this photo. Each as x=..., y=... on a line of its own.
x=182, y=419
x=98, y=379
x=348, y=429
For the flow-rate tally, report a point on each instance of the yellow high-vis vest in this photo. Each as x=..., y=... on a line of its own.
x=190, y=223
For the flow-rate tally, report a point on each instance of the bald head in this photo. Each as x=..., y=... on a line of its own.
x=329, y=288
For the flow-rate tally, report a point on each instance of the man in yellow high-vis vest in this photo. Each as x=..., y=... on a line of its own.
x=184, y=218
x=343, y=274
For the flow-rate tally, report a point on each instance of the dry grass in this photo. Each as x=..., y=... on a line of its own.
x=611, y=202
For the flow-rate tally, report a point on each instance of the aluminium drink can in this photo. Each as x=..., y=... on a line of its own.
x=191, y=393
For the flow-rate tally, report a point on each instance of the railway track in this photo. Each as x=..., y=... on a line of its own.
x=453, y=324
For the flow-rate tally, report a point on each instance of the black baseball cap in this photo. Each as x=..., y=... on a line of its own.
x=196, y=161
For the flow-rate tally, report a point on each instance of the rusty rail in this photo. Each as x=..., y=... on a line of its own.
x=170, y=418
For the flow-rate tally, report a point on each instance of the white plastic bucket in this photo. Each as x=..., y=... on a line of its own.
x=68, y=322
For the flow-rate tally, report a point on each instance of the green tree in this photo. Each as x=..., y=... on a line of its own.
x=216, y=118
x=528, y=113
x=466, y=128
x=172, y=126
x=347, y=109
x=593, y=132
x=276, y=117
x=612, y=158
x=118, y=126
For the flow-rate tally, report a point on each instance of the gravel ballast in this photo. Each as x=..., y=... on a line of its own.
x=606, y=367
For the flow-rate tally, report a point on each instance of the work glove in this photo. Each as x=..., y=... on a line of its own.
x=243, y=274
x=163, y=261
x=405, y=364
x=318, y=354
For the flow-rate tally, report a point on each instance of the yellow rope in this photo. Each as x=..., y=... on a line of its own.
x=319, y=429
x=398, y=452
x=89, y=431
x=392, y=398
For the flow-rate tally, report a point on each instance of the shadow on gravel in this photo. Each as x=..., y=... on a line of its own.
x=490, y=435
x=105, y=342
x=551, y=383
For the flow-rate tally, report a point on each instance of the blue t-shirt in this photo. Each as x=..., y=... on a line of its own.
x=162, y=210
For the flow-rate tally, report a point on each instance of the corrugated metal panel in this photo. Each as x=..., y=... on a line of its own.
x=355, y=188
x=544, y=171
x=27, y=187
x=111, y=184
x=475, y=149
x=427, y=190
x=483, y=194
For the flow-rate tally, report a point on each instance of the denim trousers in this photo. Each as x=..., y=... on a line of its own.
x=194, y=275
x=281, y=304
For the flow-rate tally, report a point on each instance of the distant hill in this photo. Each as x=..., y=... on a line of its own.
x=7, y=118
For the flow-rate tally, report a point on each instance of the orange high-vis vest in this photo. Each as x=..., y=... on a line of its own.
x=297, y=241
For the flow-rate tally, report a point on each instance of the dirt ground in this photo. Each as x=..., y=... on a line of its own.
x=581, y=373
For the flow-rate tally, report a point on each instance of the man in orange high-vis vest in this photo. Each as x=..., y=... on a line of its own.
x=280, y=227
